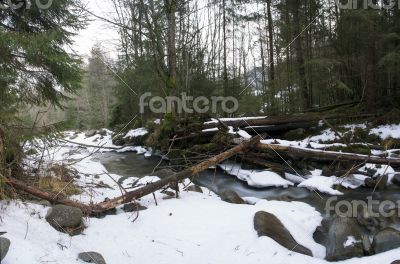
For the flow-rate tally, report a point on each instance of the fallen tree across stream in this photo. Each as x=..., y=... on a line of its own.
x=102, y=207
x=322, y=155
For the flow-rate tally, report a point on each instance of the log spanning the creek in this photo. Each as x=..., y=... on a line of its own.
x=102, y=207
x=322, y=155
x=151, y=188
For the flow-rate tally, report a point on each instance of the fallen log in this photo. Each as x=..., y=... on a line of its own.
x=282, y=120
x=49, y=196
x=135, y=194
x=151, y=188
x=322, y=155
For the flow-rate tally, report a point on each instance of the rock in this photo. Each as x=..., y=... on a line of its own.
x=65, y=219
x=369, y=182
x=73, y=137
x=194, y=188
x=230, y=196
x=385, y=240
x=396, y=179
x=267, y=224
x=382, y=182
x=340, y=231
x=4, y=246
x=133, y=207
x=90, y=133
x=367, y=246
x=296, y=134
x=396, y=262
x=92, y=257
x=102, y=132
x=164, y=173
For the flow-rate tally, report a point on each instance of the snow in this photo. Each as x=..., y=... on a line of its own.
x=136, y=132
x=322, y=184
x=259, y=179
x=387, y=131
x=350, y=241
x=196, y=228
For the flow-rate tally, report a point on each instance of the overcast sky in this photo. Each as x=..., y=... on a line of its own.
x=98, y=30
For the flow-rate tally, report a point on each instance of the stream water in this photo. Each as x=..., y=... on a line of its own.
x=133, y=165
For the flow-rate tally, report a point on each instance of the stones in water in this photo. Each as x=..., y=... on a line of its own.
x=92, y=257
x=267, y=224
x=194, y=188
x=133, y=207
x=4, y=246
x=344, y=239
x=230, y=196
x=65, y=219
x=385, y=240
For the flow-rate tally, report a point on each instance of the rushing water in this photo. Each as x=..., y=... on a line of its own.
x=133, y=165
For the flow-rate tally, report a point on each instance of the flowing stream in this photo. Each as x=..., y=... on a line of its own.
x=133, y=165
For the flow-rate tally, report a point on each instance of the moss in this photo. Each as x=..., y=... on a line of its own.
x=356, y=148
x=204, y=148
x=391, y=143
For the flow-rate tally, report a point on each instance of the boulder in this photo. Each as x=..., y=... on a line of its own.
x=65, y=219
x=395, y=262
x=267, y=224
x=396, y=179
x=133, y=207
x=92, y=257
x=369, y=182
x=299, y=133
x=385, y=240
x=230, y=196
x=194, y=188
x=102, y=132
x=4, y=246
x=90, y=133
x=344, y=239
x=382, y=182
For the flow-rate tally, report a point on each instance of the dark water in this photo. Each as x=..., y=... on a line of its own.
x=133, y=165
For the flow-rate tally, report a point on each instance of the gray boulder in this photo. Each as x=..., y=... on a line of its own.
x=102, y=132
x=92, y=257
x=230, y=196
x=267, y=224
x=90, y=133
x=344, y=239
x=65, y=219
x=396, y=179
x=133, y=207
x=194, y=188
x=385, y=240
x=4, y=246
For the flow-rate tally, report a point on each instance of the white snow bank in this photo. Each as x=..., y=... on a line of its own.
x=322, y=184
x=136, y=132
x=387, y=131
x=254, y=178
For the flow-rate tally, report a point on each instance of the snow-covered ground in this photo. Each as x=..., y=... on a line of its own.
x=196, y=228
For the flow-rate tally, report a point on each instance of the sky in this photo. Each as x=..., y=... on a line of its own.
x=98, y=31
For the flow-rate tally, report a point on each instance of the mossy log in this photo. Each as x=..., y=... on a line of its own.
x=321, y=155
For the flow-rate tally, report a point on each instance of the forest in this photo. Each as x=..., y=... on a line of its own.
x=271, y=115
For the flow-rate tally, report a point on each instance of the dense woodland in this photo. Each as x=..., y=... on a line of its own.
x=275, y=57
